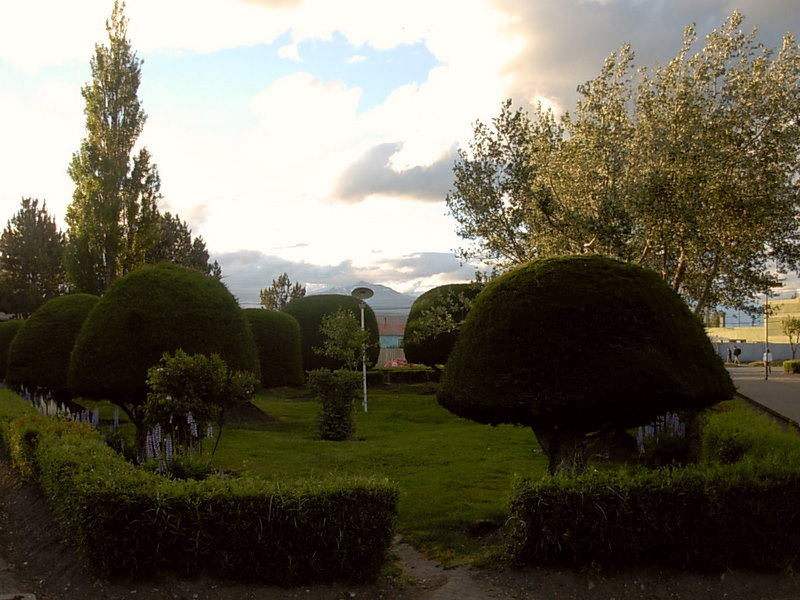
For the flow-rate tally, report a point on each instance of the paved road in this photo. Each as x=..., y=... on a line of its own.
x=779, y=394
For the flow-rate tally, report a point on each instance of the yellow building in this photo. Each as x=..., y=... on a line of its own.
x=779, y=310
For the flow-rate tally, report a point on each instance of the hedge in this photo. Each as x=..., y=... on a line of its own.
x=277, y=337
x=707, y=516
x=129, y=522
x=791, y=366
x=8, y=329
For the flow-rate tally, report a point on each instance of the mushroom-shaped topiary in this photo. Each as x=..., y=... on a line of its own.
x=434, y=320
x=40, y=352
x=572, y=346
x=277, y=336
x=150, y=311
x=8, y=329
x=309, y=311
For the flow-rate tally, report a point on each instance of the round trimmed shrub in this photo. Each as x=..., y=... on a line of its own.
x=40, y=352
x=309, y=311
x=277, y=336
x=152, y=310
x=8, y=329
x=571, y=346
x=425, y=348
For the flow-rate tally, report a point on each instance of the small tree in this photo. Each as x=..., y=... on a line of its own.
x=188, y=398
x=344, y=340
x=576, y=346
x=791, y=327
x=281, y=292
x=336, y=391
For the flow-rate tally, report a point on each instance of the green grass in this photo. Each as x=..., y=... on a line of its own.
x=453, y=475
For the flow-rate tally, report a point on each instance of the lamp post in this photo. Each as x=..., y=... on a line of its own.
x=362, y=293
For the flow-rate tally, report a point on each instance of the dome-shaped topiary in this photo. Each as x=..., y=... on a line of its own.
x=156, y=309
x=277, y=336
x=40, y=352
x=309, y=311
x=420, y=344
x=8, y=329
x=570, y=346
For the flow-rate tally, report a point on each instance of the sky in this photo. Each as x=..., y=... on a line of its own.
x=317, y=137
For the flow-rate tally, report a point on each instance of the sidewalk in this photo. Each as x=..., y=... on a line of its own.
x=780, y=394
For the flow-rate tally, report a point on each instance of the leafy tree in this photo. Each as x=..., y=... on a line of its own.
x=31, y=259
x=174, y=243
x=656, y=167
x=150, y=311
x=791, y=327
x=187, y=393
x=40, y=353
x=579, y=345
x=343, y=338
x=281, y=292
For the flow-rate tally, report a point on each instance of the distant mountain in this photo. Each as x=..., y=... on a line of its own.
x=385, y=300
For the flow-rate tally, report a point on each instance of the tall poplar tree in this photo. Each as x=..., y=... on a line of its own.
x=112, y=216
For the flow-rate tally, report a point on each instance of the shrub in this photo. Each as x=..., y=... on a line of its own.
x=434, y=320
x=791, y=366
x=575, y=345
x=150, y=311
x=40, y=352
x=309, y=312
x=8, y=329
x=336, y=391
x=277, y=336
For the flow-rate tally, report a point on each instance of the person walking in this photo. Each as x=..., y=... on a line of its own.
x=736, y=352
x=767, y=363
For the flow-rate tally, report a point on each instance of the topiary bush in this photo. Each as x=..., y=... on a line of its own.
x=150, y=311
x=425, y=341
x=336, y=391
x=791, y=366
x=40, y=353
x=8, y=329
x=277, y=336
x=577, y=345
x=309, y=311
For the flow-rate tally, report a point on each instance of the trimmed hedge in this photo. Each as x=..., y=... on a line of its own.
x=8, y=329
x=708, y=516
x=129, y=522
x=791, y=366
x=277, y=336
x=40, y=352
x=309, y=311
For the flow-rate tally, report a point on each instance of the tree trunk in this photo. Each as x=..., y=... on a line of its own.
x=565, y=448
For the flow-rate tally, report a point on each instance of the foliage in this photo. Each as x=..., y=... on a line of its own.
x=791, y=366
x=336, y=391
x=791, y=327
x=31, y=260
x=309, y=312
x=517, y=358
x=40, y=353
x=174, y=244
x=650, y=169
x=709, y=516
x=434, y=321
x=188, y=394
x=343, y=338
x=280, y=293
x=8, y=329
x=277, y=336
x=153, y=310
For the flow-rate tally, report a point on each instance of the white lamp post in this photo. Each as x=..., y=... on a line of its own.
x=362, y=293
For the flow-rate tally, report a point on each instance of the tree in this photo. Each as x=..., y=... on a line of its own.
x=791, y=327
x=578, y=346
x=174, y=243
x=434, y=321
x=656, y=167
x=277, y=336
x=150, y=311
x=281, y=292
x=40, y=353
x=343, y=338
x=31, y=259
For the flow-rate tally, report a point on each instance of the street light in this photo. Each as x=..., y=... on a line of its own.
x=362, y=293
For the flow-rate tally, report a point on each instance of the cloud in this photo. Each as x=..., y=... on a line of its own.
x=373, y=174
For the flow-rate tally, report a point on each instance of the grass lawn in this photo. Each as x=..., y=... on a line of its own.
x=454, y=475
